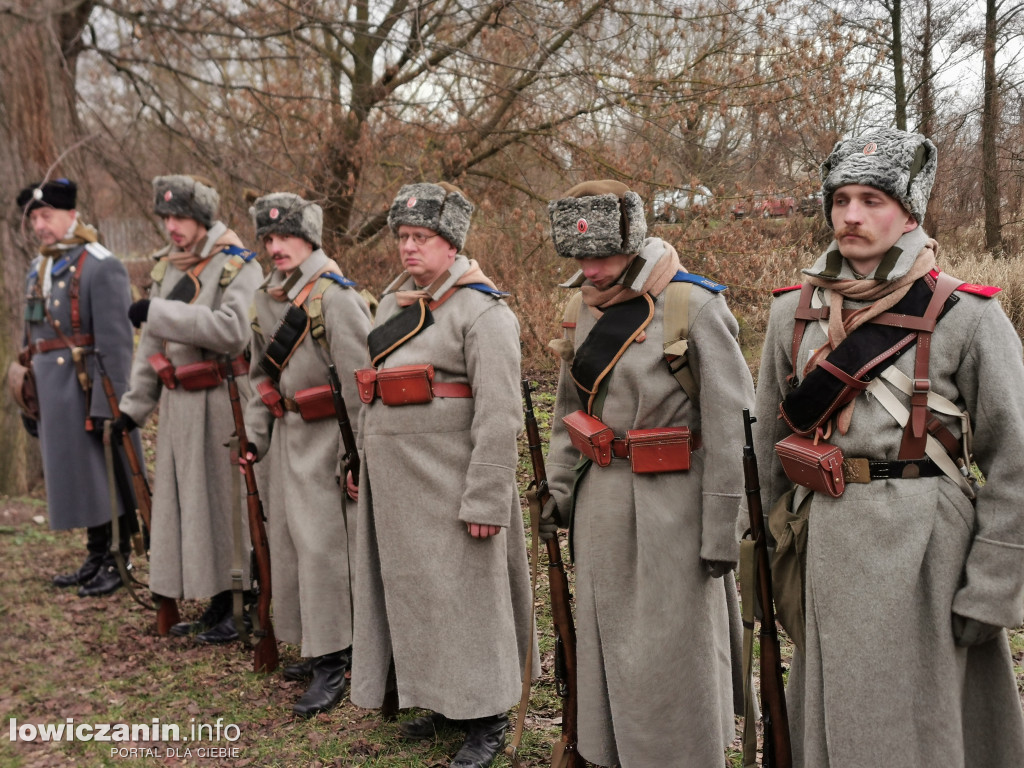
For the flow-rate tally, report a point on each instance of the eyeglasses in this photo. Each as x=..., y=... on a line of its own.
x=418, y=237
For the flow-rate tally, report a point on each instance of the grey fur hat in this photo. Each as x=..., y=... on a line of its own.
x=190, y=197
x=441, y=207
x=282, y=213
x=899, y=163
x=597, y=219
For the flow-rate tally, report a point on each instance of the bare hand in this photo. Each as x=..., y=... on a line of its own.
x=248, y=458
x=482, y=531
x=350, y=487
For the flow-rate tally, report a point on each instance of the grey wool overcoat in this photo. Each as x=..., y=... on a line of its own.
x=453, y=610
x=192, y=542
x=73, y=460
x=653, y=655
x=881, y=681
x=311, y=521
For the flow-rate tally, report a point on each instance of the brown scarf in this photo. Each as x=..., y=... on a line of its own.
x=472, y=275
x=185, y=260
x=280, y=292
x=82, y=234
x=884, y=294
x=661, y=275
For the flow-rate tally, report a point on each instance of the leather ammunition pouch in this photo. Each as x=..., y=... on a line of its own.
x=186, y=289
x=202, y=375
x=271, y=398
x=814, y=465
x=164, y=369
x=406, y=385
x=665, y=449
x=22, y=384
x=590, y=436
x=285, y=340
x=315, y=403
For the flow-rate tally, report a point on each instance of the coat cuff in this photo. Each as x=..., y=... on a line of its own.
x=718, y=538
x=993, y=589
x=487, y=499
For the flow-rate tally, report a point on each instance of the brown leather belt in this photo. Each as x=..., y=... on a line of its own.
x=441, y=389
x=48, y=345
x=620, y=448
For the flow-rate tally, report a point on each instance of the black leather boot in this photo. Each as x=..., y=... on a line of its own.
x=425, y=727
x=297, y=672
x=219, y=607
x=106, y=580
x=328, y=686
x=485, y=736
x=97, y=542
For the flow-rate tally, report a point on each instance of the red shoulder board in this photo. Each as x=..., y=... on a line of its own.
x=787, y=289
x=987, y=291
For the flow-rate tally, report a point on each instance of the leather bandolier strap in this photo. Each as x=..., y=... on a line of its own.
x=402, y=326
x=607, y=341
x=288, y=335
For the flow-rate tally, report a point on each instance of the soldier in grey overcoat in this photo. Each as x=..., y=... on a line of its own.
x=913, y=572
x=77, y=297
x=650, y=543
x=197, y=315
x=441, y=571
x=310, y=518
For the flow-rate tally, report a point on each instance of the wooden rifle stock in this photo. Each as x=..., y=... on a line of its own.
x=265, y=650
x=350, y=461
x=776, y=751
x=167, y=607
x=561, y=606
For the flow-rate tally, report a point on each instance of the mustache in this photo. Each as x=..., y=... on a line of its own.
x=851, y=231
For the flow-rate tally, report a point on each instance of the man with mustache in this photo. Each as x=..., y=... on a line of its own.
x=77, y=296
x=194, y=323
x=883, y=381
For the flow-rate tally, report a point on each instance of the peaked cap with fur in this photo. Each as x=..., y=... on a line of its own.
x=282, y=213
x=597, y=219
x=440, y=207
x=899, y=163
x=191, y=197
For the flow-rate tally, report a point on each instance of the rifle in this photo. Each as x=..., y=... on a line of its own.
x=561, y=610
x=350, y=461
x=776, y=751
x=167, y=607
x=265, y=651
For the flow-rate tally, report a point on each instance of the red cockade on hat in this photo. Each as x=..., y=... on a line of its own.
x=168, y=195
x=582, y=226
x=411, y=202
x=870, y=148
x=274, y=213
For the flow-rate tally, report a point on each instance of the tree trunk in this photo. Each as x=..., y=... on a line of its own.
x=989, y=127
x=900, y=85
x=37, y=124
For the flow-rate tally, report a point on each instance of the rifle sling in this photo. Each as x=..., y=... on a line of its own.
x=237, y=556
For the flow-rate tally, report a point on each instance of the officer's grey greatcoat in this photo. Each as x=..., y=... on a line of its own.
x=309, y=516
x=192, y=540
x=653, y=656
x=881, y=681
x=454, y=610
x=73, y=460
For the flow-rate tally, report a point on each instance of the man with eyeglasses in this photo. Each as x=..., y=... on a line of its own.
x=444, y=593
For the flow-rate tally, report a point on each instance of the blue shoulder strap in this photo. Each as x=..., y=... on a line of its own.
x=484, y=288
x=703, y=282
x=235, y=250
x=339, y=279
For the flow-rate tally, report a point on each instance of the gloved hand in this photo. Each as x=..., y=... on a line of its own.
x=31, y=425
x=548, y=528
x=138, y=312
x=968, y=632
x=717, y=568
x=123, y=423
